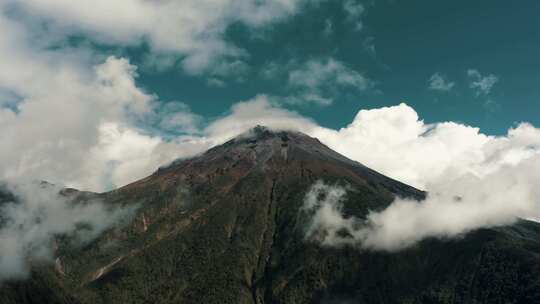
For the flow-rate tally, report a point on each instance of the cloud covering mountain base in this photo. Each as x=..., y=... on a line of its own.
x=37, y=214
x=457, y=208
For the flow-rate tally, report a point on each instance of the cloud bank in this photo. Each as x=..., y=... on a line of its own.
x=449, y=211
x=473, y=180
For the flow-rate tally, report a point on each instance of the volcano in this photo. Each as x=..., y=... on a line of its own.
x=226, y=227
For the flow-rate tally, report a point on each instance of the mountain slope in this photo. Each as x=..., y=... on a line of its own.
x=226, y=227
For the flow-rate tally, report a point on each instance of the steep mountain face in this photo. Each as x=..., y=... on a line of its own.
x=226, y=227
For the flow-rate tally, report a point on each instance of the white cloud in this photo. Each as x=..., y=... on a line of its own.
x=353, y=8
x=316, y=73
x=58, y=120
x=315, y=77
x=481, y=84
x=474, y=180
x=176, y=118
x=458, y=206
x=191, y=29
x=305, y=98
x=89, y=99
x=258, y=111
x=394, y=141
x=439, y=82
x=447, y=158
x=31, y=224
x=74, y=110
x=369, y=46
x=65, y=97
x=328, y=27
x=232, y=70
x=215, y=82
x=354, y=11
x=450, y=210
x=271, y=70
x=324, y=209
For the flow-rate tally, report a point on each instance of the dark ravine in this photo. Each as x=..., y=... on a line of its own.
x=225, y=227
x=266, y=245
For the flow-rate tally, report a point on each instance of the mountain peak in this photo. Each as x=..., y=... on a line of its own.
x=282, y=144
x=229, y=226
x=260, y=132
x=277, y=152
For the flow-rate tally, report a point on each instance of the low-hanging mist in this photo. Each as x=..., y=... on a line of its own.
x=33, y=215
x=450, y=209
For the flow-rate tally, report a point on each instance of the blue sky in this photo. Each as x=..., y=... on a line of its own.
x=400, y=46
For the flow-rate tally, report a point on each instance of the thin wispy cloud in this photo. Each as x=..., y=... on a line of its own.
x=328, y=27
x=39, y=214
x=481, y=84
x=439, y=82
x=316, y=77
x=354, y=11
x=369, y=46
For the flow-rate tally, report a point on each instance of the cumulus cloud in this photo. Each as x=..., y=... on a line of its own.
x=317, y=76
x=66, y=111
x=473, y=180
x=430, y=156
x=439, y=82
x=59, y=119
x=30, y=224
x=481, y=84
